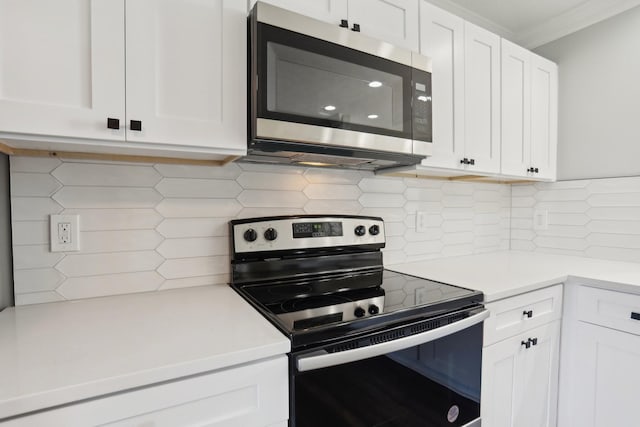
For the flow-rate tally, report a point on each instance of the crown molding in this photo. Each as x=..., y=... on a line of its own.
x=575, y=19
x=580, y=17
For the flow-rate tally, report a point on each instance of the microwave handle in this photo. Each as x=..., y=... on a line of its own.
x=323, y=359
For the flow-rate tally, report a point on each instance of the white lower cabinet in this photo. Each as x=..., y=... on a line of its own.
x=520, y=379
x=607, y=374
x=520, y=371
x=601, y=360
x=253, y=395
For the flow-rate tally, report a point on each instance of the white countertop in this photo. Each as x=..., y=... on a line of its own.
x=503, y=274
x=56, y=353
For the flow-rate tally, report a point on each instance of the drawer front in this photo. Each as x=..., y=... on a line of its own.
x=254, y=395
x=617, y=310
x=517, y=314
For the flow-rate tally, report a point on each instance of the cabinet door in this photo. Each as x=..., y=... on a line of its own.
x=604, y=378
x=519, y=384
x=252, y=395
x=544, y=116
x=516, y=109
x=442, y=39
x=482, y=99
x=62, y=67
x=186, y=72
x=394, y=21
x=332, y=11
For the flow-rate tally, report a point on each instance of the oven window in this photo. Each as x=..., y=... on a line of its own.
x=316, y=82
x=434, y=384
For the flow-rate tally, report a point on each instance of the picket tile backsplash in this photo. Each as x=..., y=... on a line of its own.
x=150, y=227
x=597, y=218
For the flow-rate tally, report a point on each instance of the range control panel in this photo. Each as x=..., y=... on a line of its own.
x=305, y=232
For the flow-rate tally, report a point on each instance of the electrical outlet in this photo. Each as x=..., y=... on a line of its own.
x=540, y=219
x=421, y=222
x=421, y=295
x=65, y=233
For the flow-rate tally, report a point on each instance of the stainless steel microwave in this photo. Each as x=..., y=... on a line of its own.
x=322, y=95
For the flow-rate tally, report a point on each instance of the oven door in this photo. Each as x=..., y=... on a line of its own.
x=392, y=378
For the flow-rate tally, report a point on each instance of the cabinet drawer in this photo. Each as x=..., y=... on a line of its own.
x=253, y=395
x=617, y=310
x=514, y=315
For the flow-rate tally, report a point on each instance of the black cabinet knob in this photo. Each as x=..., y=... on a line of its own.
x=359, y=312
x=136, y=125
x=464, y=161
x=344, y=23
x=360, y=230
x=533, y=341
x=536, y=170
x=472, y=161
x=270, y=234
x=526, y=343
x=356, y=28
x=374, y=230
x=113, y=123
x=635, y=316
x=528, y=313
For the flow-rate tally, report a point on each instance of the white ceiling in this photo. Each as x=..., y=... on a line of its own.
x=532, y=23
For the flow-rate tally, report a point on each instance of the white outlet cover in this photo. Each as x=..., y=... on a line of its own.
x=421, y=222
x=540, y=219
x=74, y=233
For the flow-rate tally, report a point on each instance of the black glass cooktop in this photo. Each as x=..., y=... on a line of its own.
x=405, y=298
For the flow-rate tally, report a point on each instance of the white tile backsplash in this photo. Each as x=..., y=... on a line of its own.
x=598, y=218
x=151, y=227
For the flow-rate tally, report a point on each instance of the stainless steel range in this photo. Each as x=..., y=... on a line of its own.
x=370, y=346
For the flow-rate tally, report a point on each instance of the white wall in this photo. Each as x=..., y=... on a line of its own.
x=151, y=227
x=6, y=277
x=599, y=98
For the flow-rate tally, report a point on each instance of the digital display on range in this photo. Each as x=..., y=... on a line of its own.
x=316, y=229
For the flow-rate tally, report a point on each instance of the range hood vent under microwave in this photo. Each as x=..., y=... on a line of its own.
x=321, y=95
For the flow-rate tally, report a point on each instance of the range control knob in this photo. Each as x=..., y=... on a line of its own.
x=360, y=230
x=373, y=309
x=359, y=312
x=270, y=234
x=250, y=235
x=374, y=230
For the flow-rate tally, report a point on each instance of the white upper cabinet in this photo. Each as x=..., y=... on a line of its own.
x=394, y=21
x=442, y=39
x=482, y=99
x=332, y=11
x=544, y=117
x=529, y=114
x=186, y=80
x=466, y=93
x=62, y=67
x=176, y=73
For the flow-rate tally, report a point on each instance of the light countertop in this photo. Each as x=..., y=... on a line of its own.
x=503, y=274
x=51, y=354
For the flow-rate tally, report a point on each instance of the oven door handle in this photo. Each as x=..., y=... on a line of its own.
x=323, y=359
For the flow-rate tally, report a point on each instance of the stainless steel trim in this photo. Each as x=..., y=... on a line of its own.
x=475, y=423
x=323, y=359
x=422, y=148
x=347, y=309
x=285, y=240
x=421, y=62
x=283, y=18
x=301, y=133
